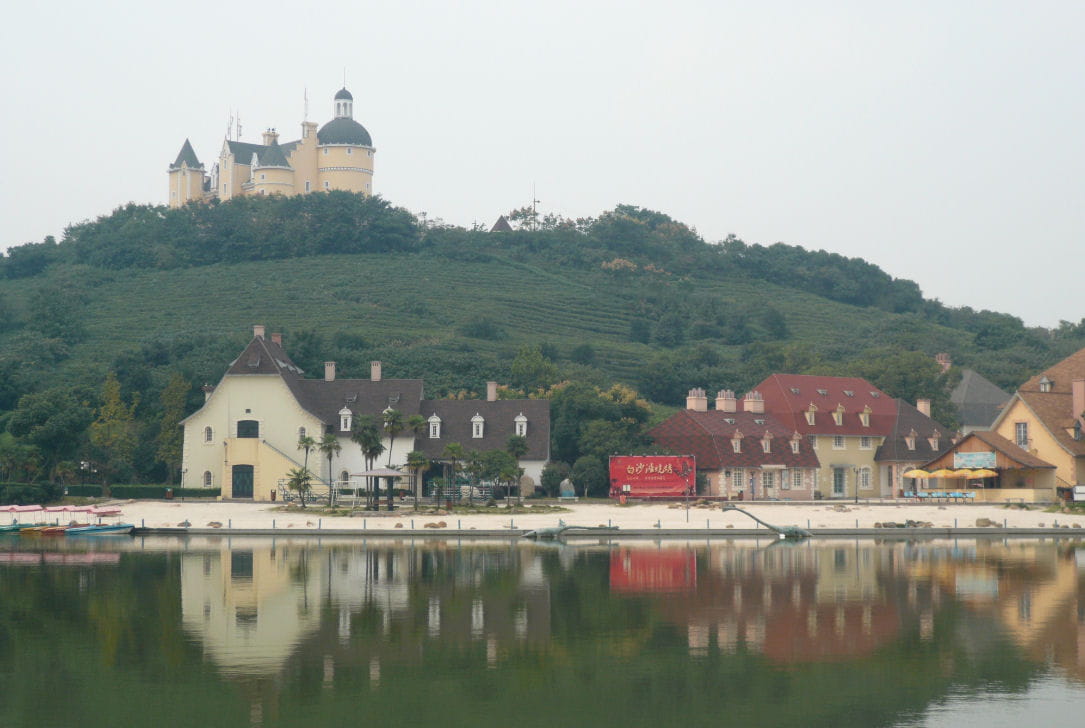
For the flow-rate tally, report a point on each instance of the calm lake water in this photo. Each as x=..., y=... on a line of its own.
x=261, y=632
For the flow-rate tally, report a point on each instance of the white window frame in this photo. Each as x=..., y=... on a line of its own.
x=1020, y=435
x=865, y=481
x=208, y=435
x=208, y=479
x=796, y=479
x=839, y=442
x=865, y=442
x=768, y=479
x=813, y=440
x=736, y=444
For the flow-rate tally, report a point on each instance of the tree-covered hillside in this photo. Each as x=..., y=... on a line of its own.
x=631, y=296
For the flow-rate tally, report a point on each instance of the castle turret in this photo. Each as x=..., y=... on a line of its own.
x=187, y=177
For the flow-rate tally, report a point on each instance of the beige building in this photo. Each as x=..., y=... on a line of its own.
x=337, y=156
x=245, y=438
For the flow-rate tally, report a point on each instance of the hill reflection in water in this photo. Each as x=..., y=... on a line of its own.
x=231, y=631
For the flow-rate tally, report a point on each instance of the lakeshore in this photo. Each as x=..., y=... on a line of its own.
x=822, y=518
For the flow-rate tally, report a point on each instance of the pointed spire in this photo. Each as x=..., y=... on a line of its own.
x=187, y=155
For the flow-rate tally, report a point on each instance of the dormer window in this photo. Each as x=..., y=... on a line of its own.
x=795, y=446
x=434, y=427
x=346, y=420
x=823, y=392
x=875, y=395
x=811, y=413
x=766, y=442
x=849, y=393
x=933, y=439
x=759, y=422
x=794, y=390
x=864, y=416
x=521, y=425
x=736, y=441
x=1045, y=384
x=838, y=415
x=909, y=439
x=478, y=424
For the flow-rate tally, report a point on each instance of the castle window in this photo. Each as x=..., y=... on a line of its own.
x=766, y=443
x=301, y=433
x=208, y=434
x=795, y=446
x=796, y=479
x=350, y=151
x=521, y=425
x=344, y=477
x=736, y=444
x=864, y=478
x=327, y=185
x=838, y=415
x=208, y=479
x=434, y=427
x=248, y=428
x=838, y=442
x=477, y=426
x=1045, y=384
x=810, y=414
x=308, y=185
x=813, y=440
x=768, y=479
x=864, y=442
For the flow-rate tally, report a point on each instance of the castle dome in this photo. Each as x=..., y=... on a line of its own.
x=344, y=130
x=343, y=94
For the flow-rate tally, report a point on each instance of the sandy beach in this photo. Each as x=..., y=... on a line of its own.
x=669, y=517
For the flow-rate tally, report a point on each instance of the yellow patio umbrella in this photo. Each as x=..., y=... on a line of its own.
x=963, y=473
x=984, y=473
x=943, y=473
x=916, y=473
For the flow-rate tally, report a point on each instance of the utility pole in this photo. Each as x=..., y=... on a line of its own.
x=534, y=212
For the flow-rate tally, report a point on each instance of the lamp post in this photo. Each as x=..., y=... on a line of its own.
x=855, y=470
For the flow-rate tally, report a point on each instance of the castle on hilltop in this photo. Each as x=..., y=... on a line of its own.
x=337, y=156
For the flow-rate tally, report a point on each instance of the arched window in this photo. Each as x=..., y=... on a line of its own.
x=521, y=425
x=208, y=434
x=346, y=419
x=344, y=476
x=208, y=479
x=477, y=426
x=434, y=427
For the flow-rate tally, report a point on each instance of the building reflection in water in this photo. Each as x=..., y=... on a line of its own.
x=257, y=605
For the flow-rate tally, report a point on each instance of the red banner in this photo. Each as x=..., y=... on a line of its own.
x=640, y=476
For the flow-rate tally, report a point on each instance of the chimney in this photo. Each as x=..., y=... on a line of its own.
x=270, y=137
x=207, y=389
x=944, y=361
x=725, y=401
x=491, y=391
x=258, y=331
x=329, y=371
x=277, y=339
x=374, y=371
x=1077, y=387
x=697, y=400
x=753, y=403
x=924, y=407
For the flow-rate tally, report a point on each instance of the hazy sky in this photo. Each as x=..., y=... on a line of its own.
x=942, y=141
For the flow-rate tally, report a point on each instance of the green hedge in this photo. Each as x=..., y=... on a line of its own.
x=28, y=493
x=159, y=492
x=83, y=491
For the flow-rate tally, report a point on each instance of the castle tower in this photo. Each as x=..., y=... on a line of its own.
x=345, y=150
x=187, y=177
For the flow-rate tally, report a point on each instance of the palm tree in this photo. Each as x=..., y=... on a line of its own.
x=367, y=434
x=393, y=425
x=454, y=452
x=517, y=447
x=329, y=445
x=417, y=463
x=300, y=480
x=306, y=443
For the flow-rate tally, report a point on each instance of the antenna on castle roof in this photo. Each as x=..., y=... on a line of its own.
x=238, y=126
x=306, y=116
x=230, y=125
x=344, y=76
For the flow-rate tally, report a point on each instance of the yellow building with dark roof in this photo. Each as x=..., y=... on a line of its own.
x=336, y=156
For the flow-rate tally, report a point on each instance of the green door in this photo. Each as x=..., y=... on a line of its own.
x=243, y=479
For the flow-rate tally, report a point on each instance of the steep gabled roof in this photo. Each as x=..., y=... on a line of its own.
x=909, y=420
x=708, y=435
x=243, y=151
x=1055, y=411
x=1060, y=375
x=501, y=226
x=788, y=396
x=272, y=156
x=978, y=400
x=1006, y=447
x=264, y=356
x=500, y=416
x=187, y=155
x=360, y=396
